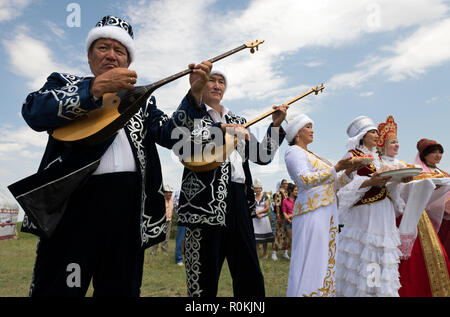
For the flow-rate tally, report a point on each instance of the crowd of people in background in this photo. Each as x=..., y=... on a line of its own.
x=272, y=222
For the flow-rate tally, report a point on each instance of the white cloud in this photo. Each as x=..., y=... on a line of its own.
x=366, y=94
x=21, y=143
x=427, y=47
x=59, y=32
x=10, y=9
x=287, y=26
x=33, y=59
x=314, y=64
x=432, y=99
x=20, y=151
x=10, y=147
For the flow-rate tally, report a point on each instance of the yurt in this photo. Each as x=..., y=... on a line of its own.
x=9, y=213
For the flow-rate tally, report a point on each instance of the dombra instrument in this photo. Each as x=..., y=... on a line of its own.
x=117, y=108
x=214, y=157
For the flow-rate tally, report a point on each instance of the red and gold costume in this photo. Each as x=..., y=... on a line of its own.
x=424, y=270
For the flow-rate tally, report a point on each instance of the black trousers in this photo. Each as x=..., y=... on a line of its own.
x=97, y=239
x=207, y=247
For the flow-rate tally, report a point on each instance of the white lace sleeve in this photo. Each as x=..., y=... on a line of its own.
x=351, y=193
x=394, y=190
x=341, y=180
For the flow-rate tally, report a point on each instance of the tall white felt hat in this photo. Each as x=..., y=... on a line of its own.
x=357, y=129
x=359, y=124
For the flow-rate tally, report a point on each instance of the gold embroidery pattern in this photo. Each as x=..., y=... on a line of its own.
x=373, y=198
x=326, y=193
x=329, y=288
x=434, y=258
x=315, y=178
x=327, y=197
x=323, y=171
x=428, y=175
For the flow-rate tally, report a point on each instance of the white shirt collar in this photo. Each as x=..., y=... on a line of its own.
x=225, y=110
x=237, y=169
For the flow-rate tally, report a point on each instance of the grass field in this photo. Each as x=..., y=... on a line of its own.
x=162, y=278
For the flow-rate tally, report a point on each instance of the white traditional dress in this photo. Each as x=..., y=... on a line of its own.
x=368, y=254
x=262, y=227
x=314, y=225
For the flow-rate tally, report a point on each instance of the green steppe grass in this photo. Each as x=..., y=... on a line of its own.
x=161, y=278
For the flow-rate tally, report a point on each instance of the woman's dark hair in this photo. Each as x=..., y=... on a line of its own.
x=361, y=142
x=291, y=188
x=292, y=142
x=429, y=150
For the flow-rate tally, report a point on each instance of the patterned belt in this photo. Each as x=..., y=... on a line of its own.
x=373, y=195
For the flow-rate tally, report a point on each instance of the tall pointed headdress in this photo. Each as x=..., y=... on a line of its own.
x=385, y=130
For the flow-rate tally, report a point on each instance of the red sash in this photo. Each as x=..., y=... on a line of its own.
x=374, y=194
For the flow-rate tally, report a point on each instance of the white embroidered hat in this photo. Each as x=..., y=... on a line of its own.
x=114, y=28
x=358, y=129
x=295, y=125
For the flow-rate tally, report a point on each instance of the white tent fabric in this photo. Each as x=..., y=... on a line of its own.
x=9, y=213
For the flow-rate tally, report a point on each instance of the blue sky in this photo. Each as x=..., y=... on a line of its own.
x=375, y=58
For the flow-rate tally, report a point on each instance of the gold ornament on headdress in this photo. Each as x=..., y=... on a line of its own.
x=385, y=129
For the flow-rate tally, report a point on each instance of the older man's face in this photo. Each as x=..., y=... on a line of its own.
x=214, y=89
x=106, y=54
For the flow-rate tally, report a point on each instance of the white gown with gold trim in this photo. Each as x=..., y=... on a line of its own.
x=314, y=225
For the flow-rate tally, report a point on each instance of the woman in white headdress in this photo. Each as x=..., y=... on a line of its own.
x=261, y=223
x=368, y=254
x=315, y=218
